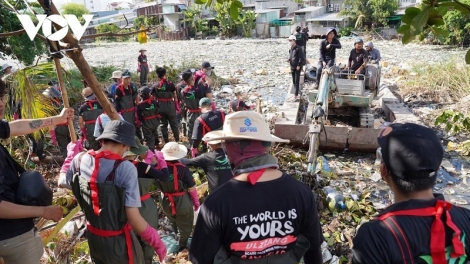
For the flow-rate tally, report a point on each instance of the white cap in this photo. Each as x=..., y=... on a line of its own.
x=6, y=65
x=292, y=37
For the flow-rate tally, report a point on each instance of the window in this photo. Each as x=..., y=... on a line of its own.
x=336, y=8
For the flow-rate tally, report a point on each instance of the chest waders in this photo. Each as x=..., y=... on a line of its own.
x=127, y=104
x=177, y=205
x=89, y=118
x=150, y=123
x=438, y=234
x=167, y=110
x=110, y=237
x=191, y=101
x=149, y=212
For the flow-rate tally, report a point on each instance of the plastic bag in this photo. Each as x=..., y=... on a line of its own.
x=142, y=36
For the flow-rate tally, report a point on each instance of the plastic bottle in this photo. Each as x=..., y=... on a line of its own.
x=331, y=194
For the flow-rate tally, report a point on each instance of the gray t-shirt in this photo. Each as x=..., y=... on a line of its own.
x=125, y=176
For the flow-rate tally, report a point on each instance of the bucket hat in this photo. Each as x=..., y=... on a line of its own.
x=116, y=75
x=120, y=131
x=139, y=150
x=244, y=125
x=174, y=151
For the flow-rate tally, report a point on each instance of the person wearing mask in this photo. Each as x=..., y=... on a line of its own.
x=116, y=77
x=327, y=52
x=165, y=93
x=357, y=61
x=208, y=121
x=147, y=113
x=194, y=91
x=106, y=188
x=19, y=240
x=300, y=39
x=143, y=66
x=126, y=100
x=238, y=104
x=146, y=175
x=204, y=74
x=296, y=61
x=87, y=115
x=214, y=163
x=6, y=69
x=420, y=226
x=60, y=135
x=374, y=54
x=229, y=231
x=179, y=193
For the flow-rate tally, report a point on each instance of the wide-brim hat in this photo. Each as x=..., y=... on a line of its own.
x=142, y=49
x=206, y=65
x=214, y=142
x=116, y=75
x=244, y=125
x=139, y=150
x=120, y=131
x=174, y=151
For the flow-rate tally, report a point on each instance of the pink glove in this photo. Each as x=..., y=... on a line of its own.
x=72, y=150
x=195, y=198
x=151, y=236
x=177, y=107
x=148, y=158
x=252, y=106
x=213, y=106
x=161, y=162
x=53, y=137
x=16, y=116
x=194, y=152
x=83, y=133
x=138, y=68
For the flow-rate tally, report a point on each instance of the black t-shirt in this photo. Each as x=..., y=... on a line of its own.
x=213, y=119
x=184, y=174
x=152, y=173
x=195, y=93
x=86, y=106
x=216, y=166
x=142, y=59
x=10, y=228
x=358, y=58
x=255, y=220
x=375, y=243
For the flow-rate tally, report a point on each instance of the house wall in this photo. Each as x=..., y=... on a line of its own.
x=149, y=10
x=291, y=5
x=171, y=21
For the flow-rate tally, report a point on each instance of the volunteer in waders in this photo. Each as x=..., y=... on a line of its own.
x=194, y=91
x=179, y=193
x=146, y=175
x=87, y=115
x=262, y=215
x=126, y=99
x=147, y=113
x=106, y=187
x=209, y=120
x=238, y=104
x=143, y=66
x=19, y=239
x=215, y=164
x=60, y=134
x=205, y=73
x=420, y=226
x=165, y=93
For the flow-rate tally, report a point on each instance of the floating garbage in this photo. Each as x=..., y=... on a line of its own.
x=334, y=199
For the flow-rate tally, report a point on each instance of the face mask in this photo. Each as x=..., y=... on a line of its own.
x=208, y=72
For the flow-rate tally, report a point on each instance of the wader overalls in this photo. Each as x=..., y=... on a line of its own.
x=89, y=118
x=148, y=211
x=191, y=101
x=144, y=69
x=150, y=122
x=167, y=110
x=62, y=133
x=127, y=104
x=177, y=205
x=110, y=238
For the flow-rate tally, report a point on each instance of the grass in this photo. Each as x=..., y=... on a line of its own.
x=441, y=82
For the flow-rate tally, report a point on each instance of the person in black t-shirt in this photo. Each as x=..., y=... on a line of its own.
x=327, y=52
x=300, y=39
x=261, y=213
x=18, y=237
x=238, y=104
x=420, y=227
x=214, y=163
x=357, y=59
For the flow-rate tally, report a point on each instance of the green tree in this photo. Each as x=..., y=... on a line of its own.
x=374, y=12
x=19, y=47
x=147, y=21
x=247, y=22
x=193, y=15
x=458, y=25
x=74, y=9
x=418, y=22
x=227, y=17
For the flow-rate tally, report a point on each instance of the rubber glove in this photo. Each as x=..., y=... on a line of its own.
x=148, y=158
x=16, y=116
x=150, y=235
x=53, y=137
x=138, y=68
x=194, y=152
x=213, y=106
x=72, y=150
x=252, y=106
x=177, y=107
x=195, y=198
x=84, y=133
x=161, y=162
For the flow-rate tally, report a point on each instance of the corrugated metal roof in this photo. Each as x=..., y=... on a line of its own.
x=263, y=11
x=328, y=17
x=308, y=9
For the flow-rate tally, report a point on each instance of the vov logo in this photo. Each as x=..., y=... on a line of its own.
x=46, y=23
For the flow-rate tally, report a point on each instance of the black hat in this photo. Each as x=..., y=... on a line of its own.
x=120, y=131
x=206, y=65
x=52, y=82
x=186, y=75
x=144, y=90
x=409, y=150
